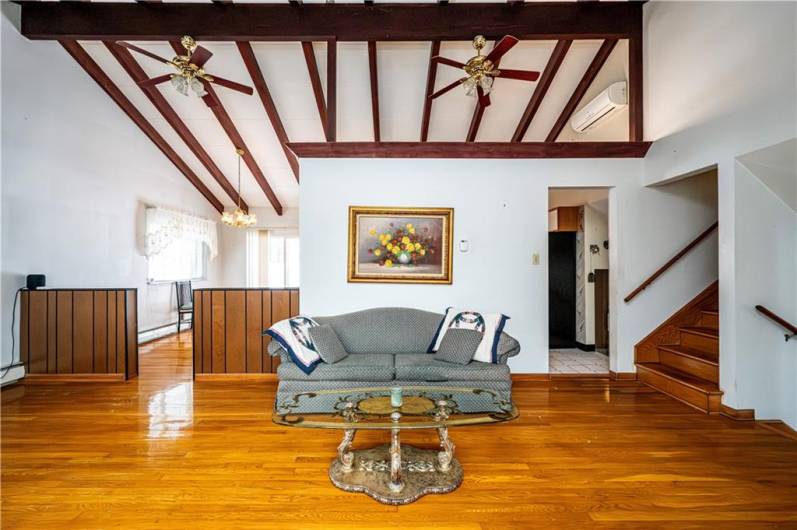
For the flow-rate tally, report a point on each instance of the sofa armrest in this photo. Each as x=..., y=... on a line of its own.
x=508, y=347
x=274, y=349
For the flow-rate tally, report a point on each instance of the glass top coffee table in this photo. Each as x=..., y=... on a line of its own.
x=392, y=473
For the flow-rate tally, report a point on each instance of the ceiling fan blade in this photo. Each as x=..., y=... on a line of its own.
x=447, y=88
x=484, y=99
x=226, y=83
x=142, y=51
x=520, y=75
x=201, y=56
x=449, y=62
x=155, y=80
x=501, y=47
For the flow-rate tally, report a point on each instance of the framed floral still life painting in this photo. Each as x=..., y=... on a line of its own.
x=400, y=245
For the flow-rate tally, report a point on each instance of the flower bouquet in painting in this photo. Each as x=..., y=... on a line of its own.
x=400, y=244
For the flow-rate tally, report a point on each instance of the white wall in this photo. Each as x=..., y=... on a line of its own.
x=76, y=174
x=765, y=249
x=501, y=207
x=710, y=99
x=596, y=231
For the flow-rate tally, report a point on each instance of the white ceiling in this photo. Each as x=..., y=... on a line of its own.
x=402, y=69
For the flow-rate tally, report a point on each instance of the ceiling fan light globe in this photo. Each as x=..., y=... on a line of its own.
x=486, y=83
x=180, y=84
x=470, y=86
x=198, y=88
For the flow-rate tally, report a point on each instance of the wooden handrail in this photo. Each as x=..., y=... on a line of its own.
x=652, y=278
x=792, y=330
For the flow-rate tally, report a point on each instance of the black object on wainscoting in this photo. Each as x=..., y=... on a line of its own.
x=35, y=281
x=561, y=289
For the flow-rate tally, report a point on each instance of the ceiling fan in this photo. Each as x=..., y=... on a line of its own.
x=483, y=69
x=191, y=77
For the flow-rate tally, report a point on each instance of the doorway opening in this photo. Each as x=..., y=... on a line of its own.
x=578, y=280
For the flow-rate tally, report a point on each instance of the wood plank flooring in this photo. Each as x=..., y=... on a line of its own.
x=162, y=452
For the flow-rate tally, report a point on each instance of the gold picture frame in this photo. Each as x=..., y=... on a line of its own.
x=400, y=245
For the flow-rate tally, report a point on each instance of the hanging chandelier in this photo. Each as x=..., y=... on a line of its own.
x=239, y=218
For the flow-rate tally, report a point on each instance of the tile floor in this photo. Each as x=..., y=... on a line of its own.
x=574, y=361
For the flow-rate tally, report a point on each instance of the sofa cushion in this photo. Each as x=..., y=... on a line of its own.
x=363, y=367
x=385, y=330
x=424, y=367
x=458, y=345
x=327, y=344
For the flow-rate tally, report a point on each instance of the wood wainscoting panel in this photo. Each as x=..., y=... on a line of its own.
x=79, y=334
x=228, y=327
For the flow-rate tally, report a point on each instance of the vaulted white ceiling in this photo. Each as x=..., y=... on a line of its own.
x=402, y=71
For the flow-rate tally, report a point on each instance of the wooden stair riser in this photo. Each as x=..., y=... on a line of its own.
x=703, y=401
x=710, y=320
x=690, y=365
x=700, y=342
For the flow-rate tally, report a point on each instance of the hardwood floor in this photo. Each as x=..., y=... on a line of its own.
x=162, y=452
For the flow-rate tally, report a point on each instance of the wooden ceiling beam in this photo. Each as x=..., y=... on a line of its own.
x=586, y=80
x=636, y=131
x=134, y=70
x=315, y=82
x=544, y=83
x=470, y=149
x=237, y=140
x=475, y=121
x=250, y=61
x=431, y=77
x=101, y=78
x=344, y=22
x=332, y=90
x=374, y=90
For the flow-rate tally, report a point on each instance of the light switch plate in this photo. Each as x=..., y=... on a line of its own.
x=535, y=259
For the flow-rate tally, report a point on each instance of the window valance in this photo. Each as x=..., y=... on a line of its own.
x=165, y=226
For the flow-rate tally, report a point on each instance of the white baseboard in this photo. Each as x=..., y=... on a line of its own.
x=13, y=375
x=154, y=334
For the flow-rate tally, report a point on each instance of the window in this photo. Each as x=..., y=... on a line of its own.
x=178, y=245
x=273, y=258
x=183, y=259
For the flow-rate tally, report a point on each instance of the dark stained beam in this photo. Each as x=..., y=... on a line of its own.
x=237, y=140
x=101, y=78
x=222, y=1
x=315, y=81
x=636, y=131
x=346, y=22
x=134, y=70
x=431, y=76
x=374, y=90
x=586, y=80
x=332, y=90
x=544, y=83
x=261, y=87
x=295, y=2
x=475, y=121
x=470, y=150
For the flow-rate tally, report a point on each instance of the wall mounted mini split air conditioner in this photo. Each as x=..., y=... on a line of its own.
x=597, y=111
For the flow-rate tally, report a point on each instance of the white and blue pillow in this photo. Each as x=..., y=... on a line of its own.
x=490, y=324
x=293, y=334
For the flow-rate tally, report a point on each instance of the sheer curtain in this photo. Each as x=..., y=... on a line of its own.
x=165, y=227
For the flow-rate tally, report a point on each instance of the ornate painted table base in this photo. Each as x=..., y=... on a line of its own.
x=393, y=474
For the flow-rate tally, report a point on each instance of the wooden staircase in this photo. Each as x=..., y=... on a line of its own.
x=681, y=357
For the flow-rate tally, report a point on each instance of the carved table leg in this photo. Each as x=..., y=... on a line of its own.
x=445, y=456
x=396, y=484
x=346, y=457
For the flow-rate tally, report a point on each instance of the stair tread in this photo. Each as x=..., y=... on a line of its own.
x=699, y=330
x=700, y=355
x=687, y=379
